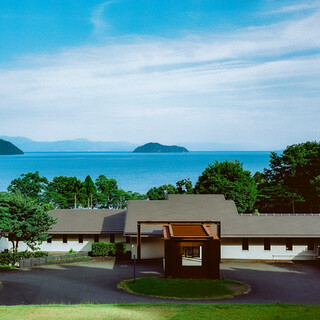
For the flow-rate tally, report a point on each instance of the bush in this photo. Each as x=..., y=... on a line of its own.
x=103, y=249
x=121, y=248
x=11, y=258
x=108, y=248
x=71, y=251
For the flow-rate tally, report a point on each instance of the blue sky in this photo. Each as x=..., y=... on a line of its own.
x=244, y=73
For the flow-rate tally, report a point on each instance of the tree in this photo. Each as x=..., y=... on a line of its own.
x=296, y=172
x=30, y=185
x=161, y=193
x=66, y=192
x=122, y=197
x=184, y=186
x=91, y=191
x=21, y=219
x=108, y=192
x=230, y=179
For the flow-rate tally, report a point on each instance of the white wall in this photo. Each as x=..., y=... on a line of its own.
x=57, y=245
x=3, y=244
x=151, y=248
x=232, y=249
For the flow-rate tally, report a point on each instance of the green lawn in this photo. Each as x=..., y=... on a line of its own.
x=5, y=267
x=184, y=288
x=161, y=311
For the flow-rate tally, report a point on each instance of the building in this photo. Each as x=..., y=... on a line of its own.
x=243, y=236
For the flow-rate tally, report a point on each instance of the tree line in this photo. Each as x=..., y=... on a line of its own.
x=290, y=184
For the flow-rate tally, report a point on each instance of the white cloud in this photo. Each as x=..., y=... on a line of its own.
x=97, y=19
x=306, y=5
x=226, y=89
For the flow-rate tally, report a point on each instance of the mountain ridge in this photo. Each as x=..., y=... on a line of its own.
x=8, y=148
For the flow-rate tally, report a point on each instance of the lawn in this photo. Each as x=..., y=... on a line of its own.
x=6, y=268
x=184, y=288
x=161, y=311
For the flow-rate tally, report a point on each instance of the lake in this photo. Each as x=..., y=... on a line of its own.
x=134, y=171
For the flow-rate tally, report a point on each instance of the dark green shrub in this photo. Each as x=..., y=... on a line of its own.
x=121, y=248
x=103, y=249
x=108, y=248
x=11, y=258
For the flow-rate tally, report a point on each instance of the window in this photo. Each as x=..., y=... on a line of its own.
x=127, y=239
x=245, y=244
x=49, y=240
x=266, y=243
x=112, y=238
x=96, y=238
x=64, y=238
x=310, y=245
x=289, y=244
x=192, y=256
x=80, y=238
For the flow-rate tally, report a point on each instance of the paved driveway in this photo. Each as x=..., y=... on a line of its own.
x=96, y=282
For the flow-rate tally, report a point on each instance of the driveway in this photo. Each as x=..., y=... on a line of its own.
x=96, y=282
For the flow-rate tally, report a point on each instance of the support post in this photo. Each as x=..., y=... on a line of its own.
x=219, y=230
x=139, y=240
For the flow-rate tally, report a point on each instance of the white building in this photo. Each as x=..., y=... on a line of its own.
x=243, y=236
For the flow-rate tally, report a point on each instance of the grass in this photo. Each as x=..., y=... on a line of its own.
x=184, y=288
x=162, y=311
x=5, y=267
x=69, y=259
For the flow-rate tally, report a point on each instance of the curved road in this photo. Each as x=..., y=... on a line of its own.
x=96, y=282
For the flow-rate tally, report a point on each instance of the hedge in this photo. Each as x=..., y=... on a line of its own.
x=11, y=258
x=108, y=248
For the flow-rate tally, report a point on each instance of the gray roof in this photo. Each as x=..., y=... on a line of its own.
x=216, y=208
x=87, y=221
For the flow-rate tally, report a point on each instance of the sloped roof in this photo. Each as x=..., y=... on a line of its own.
x=216, y=208
x=87, y=221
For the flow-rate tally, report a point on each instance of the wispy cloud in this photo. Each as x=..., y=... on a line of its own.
x=97, y=19
x=252, y=85
x=305, y=5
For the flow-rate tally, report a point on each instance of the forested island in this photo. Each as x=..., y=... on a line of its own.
x=7, y=148
x=154, y=147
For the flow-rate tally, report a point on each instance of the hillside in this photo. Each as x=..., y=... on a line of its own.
x=7, y=148
x=153, y=147
x=76, y=145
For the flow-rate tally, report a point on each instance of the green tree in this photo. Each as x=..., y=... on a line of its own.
x=230, y=179
x=295, y=171
x=66, y=192
x=108, y=192
x=184, y=186
x=161, y=193
x=30, y=185
x=271, y=197
x=21, y=219
x=91, y=191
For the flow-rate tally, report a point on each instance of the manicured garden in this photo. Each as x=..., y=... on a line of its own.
x=162, y=311
x=184, y=288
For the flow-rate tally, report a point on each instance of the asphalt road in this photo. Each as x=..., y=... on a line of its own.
x=96, y=282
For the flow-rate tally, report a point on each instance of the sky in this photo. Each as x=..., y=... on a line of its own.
x=244, y=74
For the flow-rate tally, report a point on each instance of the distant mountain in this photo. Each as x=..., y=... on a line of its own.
x=7, y=148
x=29, y=145
x=153, y=147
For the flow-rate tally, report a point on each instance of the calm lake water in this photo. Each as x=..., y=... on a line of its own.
x=133, y=171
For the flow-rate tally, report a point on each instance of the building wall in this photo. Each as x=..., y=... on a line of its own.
x=57, y=245
x=232, y=249
x=151, y=248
